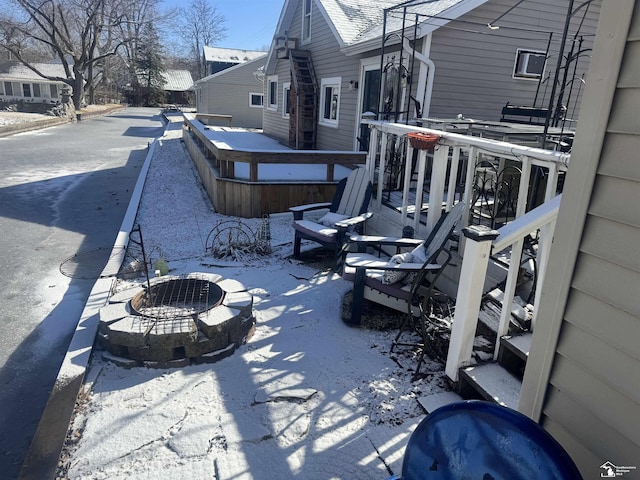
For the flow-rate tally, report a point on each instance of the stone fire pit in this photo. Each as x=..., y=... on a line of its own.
x=178, y=320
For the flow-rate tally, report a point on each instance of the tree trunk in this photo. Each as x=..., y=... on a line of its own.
x=78, y=88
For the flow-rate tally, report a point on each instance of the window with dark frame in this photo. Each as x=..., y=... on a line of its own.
x=273, y=93
x=8, y=88
x=256, y=100
x=26, y=90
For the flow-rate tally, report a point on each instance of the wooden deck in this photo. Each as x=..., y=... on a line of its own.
x=248, y=174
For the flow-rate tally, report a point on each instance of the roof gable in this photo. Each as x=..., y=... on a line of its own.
x=359, y=21
x=357, y=24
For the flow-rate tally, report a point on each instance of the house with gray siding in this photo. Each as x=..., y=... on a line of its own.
x=581, y=381
x=236, y=91
x=460, y=57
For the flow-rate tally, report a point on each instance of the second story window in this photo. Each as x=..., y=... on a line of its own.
x=306, y=20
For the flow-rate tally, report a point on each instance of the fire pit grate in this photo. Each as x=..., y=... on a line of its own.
x=175, y=298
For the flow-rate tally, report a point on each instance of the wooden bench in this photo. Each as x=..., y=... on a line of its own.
x=526, y=115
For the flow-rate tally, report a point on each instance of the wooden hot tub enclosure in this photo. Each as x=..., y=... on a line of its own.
x=249, y=196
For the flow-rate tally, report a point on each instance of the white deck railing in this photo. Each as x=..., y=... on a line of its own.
x=455, y=162
x=482, y=242
x=453, y=165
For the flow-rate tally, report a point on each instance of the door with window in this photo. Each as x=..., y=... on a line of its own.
x=370, y=101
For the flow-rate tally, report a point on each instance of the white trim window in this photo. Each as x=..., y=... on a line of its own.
x=256, y=100
x=306, y=20
x=529, y=64
x=272, y=92
x=286, y=99
x=330, y=101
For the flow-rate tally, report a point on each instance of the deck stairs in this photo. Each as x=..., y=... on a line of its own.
x=496, y=381
x=304, y=101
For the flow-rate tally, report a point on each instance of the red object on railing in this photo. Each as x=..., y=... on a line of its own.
x=423, y=141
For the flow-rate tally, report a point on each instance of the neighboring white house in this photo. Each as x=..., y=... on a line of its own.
x=455, y=64
x=235, y=91
x=18, y=82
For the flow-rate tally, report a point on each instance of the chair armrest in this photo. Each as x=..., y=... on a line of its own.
x=368, y=264
x=309, y=207
x=298, y=211
x=350, y=222
x=377, y=240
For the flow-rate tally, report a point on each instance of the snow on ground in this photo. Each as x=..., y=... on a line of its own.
x=307, y=397
x=13, y=118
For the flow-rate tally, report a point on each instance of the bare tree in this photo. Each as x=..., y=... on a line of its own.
x=138, y=15
x=201, y=25
x=81, y=34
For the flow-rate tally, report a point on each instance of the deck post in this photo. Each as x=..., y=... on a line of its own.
x=330, y=171
x=436, y=185
x=478, y=240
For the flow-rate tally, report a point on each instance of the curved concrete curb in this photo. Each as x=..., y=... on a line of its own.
x=42, y=457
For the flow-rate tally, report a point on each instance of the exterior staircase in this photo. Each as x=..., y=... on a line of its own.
x=303, y=113
x=499, y=380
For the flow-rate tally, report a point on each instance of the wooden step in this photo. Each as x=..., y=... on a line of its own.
x=436, y=400
x=519, y=310
x=493, y=383
x=518, y=344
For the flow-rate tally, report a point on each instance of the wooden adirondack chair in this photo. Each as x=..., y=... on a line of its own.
x=384, y=281
x=347, y=213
